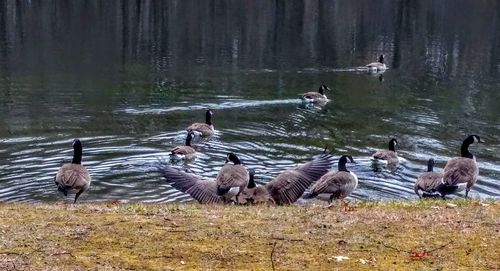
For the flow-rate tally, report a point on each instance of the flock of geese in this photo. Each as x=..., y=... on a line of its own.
x=235, y=183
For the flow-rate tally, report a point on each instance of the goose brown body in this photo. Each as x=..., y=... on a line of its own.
x=203, y=129
x=337, y=184
x=461, y=171
x=185, y=152
x=390, y=155
x=73, y=177
x=315, y=96
x=428, y=182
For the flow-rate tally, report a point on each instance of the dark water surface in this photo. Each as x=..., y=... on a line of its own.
x=127, y=77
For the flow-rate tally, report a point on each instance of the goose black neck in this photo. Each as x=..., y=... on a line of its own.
x=464, y=150
x=430, y=167
x=381, y=59
x=236, y=160
x=251, y=182
x=77, y=153
x=188, y=140
x=320, y=90
x=208, y=118
x=342, y=164
x=392, y=146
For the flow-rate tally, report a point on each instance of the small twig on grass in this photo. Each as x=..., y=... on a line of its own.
x=9, y=253
x=61, y=253
x=288, y=239
x=272, y=255
x=416, y=254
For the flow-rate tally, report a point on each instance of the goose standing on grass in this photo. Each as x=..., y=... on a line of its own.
x=73, y=177
x=428, y=182
x=461, y=172
x=203, y=129
x=315, y=97
x=377, y=66
x=387, y=156
x=233, y=175
x=185, y=152
x=289, y=185
x=336, y=185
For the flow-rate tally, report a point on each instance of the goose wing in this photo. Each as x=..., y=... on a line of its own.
x=385, y=155
x=73, y=176
x=337, y=183
x=311, y=95
x=204, y=191
x=182, y=150
x=289, y=185
x=428, y=182
x=460, y=170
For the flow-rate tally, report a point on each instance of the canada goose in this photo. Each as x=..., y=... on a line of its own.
x=201, y=189
x=203, y=129
x=185, y=152
x=312, y=97
x=289, y=185
x=232, y=176
x=337, y=185
x=389, y=156
x=461, y=172
x=377, y=66
x=428, y=182
x=73, y=177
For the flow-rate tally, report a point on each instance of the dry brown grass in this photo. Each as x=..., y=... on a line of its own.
x=424, y=235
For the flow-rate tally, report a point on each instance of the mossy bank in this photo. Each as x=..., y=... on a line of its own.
x=406, y=235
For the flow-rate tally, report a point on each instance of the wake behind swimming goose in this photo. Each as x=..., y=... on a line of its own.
x=315, y=97
x=290, y=185
x=203, y=129
x=73, y=177
x=336, y=185
x=461, y=172
x=428, y=182
x=185, y=152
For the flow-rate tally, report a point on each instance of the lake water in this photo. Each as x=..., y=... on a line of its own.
x=127, y=78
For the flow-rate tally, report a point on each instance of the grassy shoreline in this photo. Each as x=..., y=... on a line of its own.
x=413, y=235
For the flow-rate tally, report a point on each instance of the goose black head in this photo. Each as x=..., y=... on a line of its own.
x=323, y=88
x=77, y=152
x=392, y=144
x=231, y=157
x=464, y=149
x=343, y=161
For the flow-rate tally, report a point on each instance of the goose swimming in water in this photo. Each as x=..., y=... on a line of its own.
x=377, y=66
x=203, y=129
x=315, y=97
